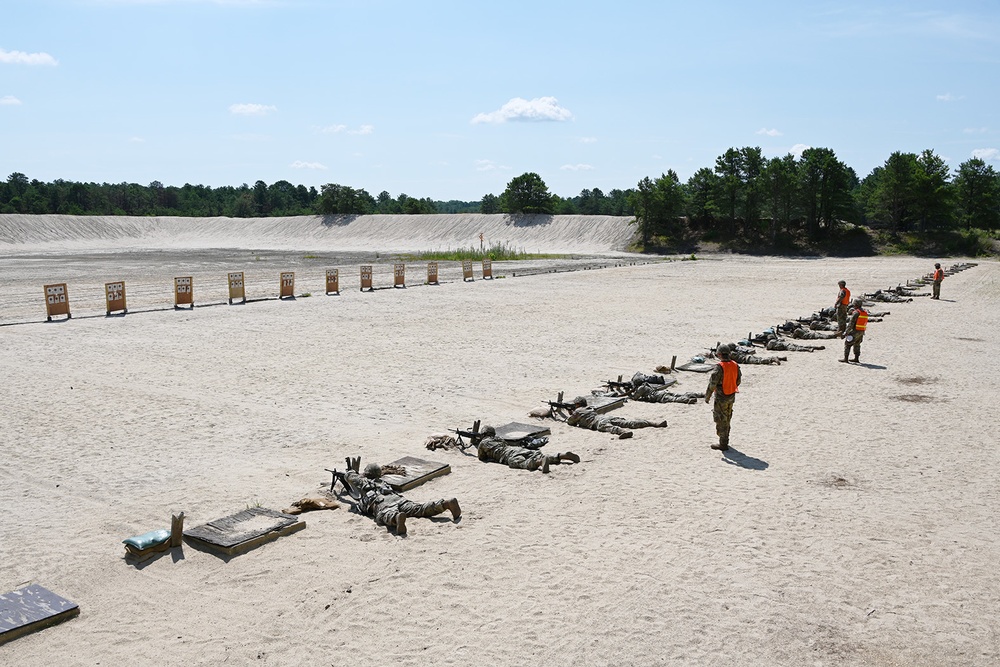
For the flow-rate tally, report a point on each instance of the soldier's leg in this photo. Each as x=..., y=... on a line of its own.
x=429, y=509
x=526, y=460
x=607, y=426
x=857, y=347
x=636, y=423
x=847, y=350
x=391, y=517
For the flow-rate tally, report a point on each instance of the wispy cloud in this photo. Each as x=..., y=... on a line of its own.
x=797, y=149
x=518, y=109
x=577, y=167
x=987, y=153
x=136, y=140
x=251, y=109
x=22, y=58
x=299, y=164
x=976, y=130
x=489, y=165
x=948, y=97
x=9, y=101
x=587, y=140
x=769, y=133
x=339, y=128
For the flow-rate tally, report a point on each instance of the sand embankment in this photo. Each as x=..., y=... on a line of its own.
x=386, y=233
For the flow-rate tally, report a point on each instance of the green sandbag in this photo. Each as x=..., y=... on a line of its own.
x=147, y=540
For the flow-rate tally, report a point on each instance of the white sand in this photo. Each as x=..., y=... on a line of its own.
x=849, y=527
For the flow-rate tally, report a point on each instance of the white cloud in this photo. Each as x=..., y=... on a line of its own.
x=490, y=165
x=299, y=164
x=518, y=109
x=332, y=129
x=987, y=153
x=587, y=140
x=251, y=109
x=8, y=101
x=22, y=58
x=136, y=140
x=976, y=130
x=797, y=149
x=770, y=133
x=948, y=97
x=364, y=129
x=577, y=167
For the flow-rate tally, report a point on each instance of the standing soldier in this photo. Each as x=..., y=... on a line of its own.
x=938, y=277
x=724, y=383
x=856, y=326
x=841, y=304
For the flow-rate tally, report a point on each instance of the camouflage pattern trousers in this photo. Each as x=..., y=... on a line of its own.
x=854, y=344
x=722, y=412
x=936, y=289
x=841, y=317
x=619, y=425
x=387, y=512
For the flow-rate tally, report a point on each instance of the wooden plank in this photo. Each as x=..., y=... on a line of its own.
x=30, y=609
x=240, y=532
x=417, y=470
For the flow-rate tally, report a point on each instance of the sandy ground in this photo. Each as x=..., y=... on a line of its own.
x=851, y=524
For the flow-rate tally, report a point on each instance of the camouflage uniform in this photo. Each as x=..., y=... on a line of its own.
x=499, y=451
x=741, y=357
x=809, y=334
x=780, y=345
x=856, y=336
x=658, y=394
x=936, y=287
x=379, y=501
x=589, y=418
x=722, y=409
x=841, y=309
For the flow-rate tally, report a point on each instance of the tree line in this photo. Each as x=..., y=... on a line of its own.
x=745, y=196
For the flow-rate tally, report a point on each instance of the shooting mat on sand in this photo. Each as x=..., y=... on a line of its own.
x=605, y=403
x=697, y=367
x=30, y=609
x=515, y=431
x=417, y=470
x=243, y=531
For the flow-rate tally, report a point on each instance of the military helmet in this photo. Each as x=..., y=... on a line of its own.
x=373, y=471
x=842, y=283
x=857, y=302
x=487, y=431
x=723, y=351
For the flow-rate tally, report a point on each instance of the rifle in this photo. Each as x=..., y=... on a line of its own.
x=474, y=435
x=618, y=386
x=557, y=406
x=353, y=464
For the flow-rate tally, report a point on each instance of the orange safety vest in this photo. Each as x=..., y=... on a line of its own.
x=729, y=371
x=939, y=275
x=862, y=322
x=847, y=297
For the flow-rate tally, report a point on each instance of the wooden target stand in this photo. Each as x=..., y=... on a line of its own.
x=183, y=292
x=57, y=301
x=236, y=287
x=432, y=273
x=467, y=271
x=487, y=268
x=287, y=285
x=399, y=275
x=114, y=297
x=333, y=281
x=366, y=278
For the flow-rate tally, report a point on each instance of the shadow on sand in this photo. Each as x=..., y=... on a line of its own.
x=738, y=458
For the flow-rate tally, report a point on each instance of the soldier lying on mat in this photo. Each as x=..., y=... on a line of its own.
x=490, y=448
x=376, y=499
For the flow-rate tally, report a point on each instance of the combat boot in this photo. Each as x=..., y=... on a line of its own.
x=856, y=360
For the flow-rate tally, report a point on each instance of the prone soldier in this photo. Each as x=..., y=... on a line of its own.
x=584, y=417
x=491, y=448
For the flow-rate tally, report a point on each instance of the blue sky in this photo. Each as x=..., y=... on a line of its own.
x=450, y=100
